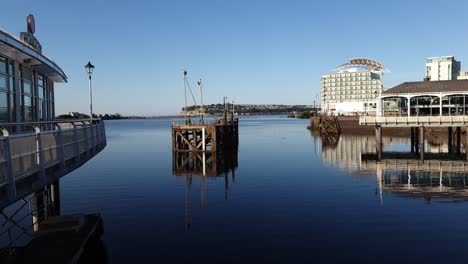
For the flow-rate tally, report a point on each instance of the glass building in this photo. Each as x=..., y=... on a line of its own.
x=27, y=79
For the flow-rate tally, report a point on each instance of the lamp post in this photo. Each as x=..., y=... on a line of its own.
x=89, y=69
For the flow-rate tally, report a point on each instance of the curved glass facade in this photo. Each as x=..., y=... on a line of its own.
x=25, y=94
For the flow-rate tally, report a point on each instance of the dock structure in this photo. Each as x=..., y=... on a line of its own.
x=421, y=106
x=216, y=137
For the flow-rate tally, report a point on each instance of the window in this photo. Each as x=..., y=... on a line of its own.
x=4, y=114
x=27, y=109
x=3, y=65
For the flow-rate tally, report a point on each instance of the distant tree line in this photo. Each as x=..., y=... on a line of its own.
x=83, y=116
x=218, y=109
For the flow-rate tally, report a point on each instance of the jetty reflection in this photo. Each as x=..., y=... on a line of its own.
x=440, y=176
x=415, y=179
x=203, y=165
x=33, y=230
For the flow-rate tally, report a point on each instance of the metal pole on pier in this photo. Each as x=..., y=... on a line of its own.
x=185, y=95
x=225, y=110
x=202, y=108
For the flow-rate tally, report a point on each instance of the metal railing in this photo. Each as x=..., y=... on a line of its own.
x=459, y=120
x=37, y=146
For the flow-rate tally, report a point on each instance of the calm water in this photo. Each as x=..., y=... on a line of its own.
x=289, y=201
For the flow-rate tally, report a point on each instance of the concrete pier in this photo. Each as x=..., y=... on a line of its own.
x=418, y=130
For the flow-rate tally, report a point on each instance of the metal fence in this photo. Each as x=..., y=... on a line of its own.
x=37, y=146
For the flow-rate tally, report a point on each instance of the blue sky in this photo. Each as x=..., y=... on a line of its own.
x=255, y=51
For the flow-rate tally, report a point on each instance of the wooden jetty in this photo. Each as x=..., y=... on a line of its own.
x=216, y=137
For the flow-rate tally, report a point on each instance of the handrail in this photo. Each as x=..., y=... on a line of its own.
x=58, y=121
x=34, y=151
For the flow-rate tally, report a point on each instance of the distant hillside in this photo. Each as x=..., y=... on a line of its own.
x=251, y=109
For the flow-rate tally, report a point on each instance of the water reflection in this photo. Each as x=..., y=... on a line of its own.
x=33, y=230
x=203, y=165
x=444, y=176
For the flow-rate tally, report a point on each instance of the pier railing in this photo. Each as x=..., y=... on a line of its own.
x=37, y=146
x=414, y=121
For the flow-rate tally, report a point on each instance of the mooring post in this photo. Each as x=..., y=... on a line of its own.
x=458, y=140
x=466, y=143
x=421, y=142
x=378, y=141
x=412, y=139
x=450, y=140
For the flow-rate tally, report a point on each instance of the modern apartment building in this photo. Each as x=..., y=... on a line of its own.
x=352, y=88
x=442, y=68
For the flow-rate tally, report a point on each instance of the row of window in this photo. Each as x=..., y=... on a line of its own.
x=35, y=98
x=348, y=97
x=350, y=84
x=349, y=74
x=353, y=92
x=327, y=80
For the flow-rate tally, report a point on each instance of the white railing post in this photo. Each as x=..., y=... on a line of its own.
x=8, y=167
x=61, y=151
x=103, y=127
x=76, y=143
x=88, y=145
x=40, y=154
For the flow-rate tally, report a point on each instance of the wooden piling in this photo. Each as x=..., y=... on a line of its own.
x=458, y=146
x=421, y=143
x=450, y=140
x=412, y=140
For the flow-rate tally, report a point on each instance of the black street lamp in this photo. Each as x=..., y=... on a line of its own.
x=89, y=69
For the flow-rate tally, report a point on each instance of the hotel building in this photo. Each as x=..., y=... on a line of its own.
x=352, y=88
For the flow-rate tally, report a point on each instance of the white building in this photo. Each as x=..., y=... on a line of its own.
x=442, y=68
x=352, y=88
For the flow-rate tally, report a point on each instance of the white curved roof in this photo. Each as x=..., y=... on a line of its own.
x=14, y=48
x=362, y=62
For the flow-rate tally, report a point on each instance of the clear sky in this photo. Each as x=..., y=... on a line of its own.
x=255, y=51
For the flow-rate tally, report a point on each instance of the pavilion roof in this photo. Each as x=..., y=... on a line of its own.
x=429, y=87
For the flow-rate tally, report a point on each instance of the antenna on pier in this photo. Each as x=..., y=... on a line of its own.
x=185, y=95
x=225, y=110
x=233, y=110
x=202, y=109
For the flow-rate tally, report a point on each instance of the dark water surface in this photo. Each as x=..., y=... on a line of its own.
x=289, y=201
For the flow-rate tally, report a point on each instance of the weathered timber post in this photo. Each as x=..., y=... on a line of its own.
x=54, y=194
x=421, y=143
x=416, y=139
x=412, y=140
x=458, y=140
x=378, y=141
x=466, y=147
x=450, y=140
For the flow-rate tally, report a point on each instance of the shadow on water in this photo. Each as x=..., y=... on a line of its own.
x=441, y=178
x=204, y=165
x=33, y=230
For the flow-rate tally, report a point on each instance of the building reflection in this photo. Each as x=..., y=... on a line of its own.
x=33, y=230
x=440, y=177
x=205, y=166
x=347, y=150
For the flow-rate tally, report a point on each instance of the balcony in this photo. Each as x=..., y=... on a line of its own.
x=39, y=153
